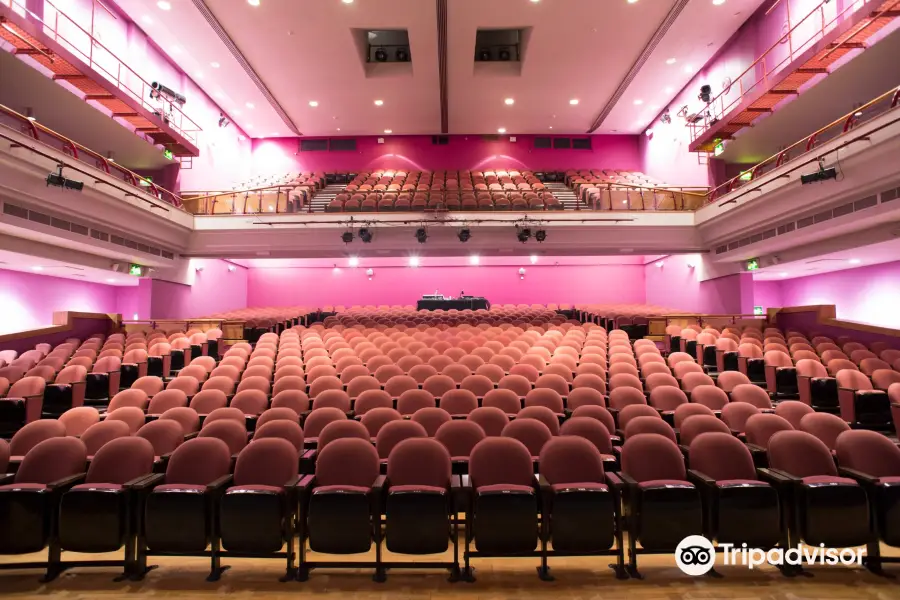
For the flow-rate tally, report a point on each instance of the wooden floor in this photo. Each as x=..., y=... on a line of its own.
x=576, y=579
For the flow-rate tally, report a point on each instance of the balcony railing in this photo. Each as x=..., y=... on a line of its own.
x=843, y=126
x=18, y=122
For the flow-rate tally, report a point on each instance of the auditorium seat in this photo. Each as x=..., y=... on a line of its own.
x=861, y=405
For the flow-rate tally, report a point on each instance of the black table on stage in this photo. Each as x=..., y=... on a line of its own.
x=467, y=303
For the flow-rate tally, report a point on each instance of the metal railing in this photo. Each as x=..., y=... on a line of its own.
x=769, y=64
x=84, y=45
x=46, y=136
x=886, y=102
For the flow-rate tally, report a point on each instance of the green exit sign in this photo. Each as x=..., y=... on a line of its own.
x=753, y=264
x=758, y=310
x=168, y=154
x=135, y=270
x=719, y=149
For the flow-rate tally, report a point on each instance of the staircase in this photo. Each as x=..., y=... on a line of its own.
x=564, y=194
x=323, y=197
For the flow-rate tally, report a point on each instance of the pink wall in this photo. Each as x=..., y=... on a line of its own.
x=866, y=294
x=278, y=156
x=767, y=294
x=678, y=284
x=215, y=289
x=28, y=300
x=404, y=285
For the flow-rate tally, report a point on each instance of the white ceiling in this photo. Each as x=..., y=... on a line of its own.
x=873, y=254
x=578, y=49
x=13, y=261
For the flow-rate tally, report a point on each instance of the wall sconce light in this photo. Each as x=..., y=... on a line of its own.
x=232, y=268
x=691, y=265
x=660, y=264
x=522, y=273
x=198, y=268
x=370, y=273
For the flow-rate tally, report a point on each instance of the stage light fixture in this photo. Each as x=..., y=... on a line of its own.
x=523, y=234
x=665, y=118
x=421, y=235
x=540, y=235
x=484, y=54
x=705, y=94
x=353, y=261
x=464, y=234
x=402, y=55
x=223, y=120
x=58, y=180
x=504, y=54
x=166, y=93
x=381, y=55
x=347, y=237
x=365, y=235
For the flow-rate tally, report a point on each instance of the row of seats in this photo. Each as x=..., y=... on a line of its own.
x=420, y=201
x=411, y=181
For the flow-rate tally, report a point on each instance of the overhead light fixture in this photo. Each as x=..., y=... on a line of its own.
x=501, y=130
x=573, y=101
x=29, y=114
x=670, y=61
x=58, y=180
x=705, y=95
x=370, y=273
x=638, y=102
x=688, y=69
x=540, y=235
x=110, y=156
x=389, y=131
x=632, y=1
x=660, y=264
x=232, y=268
x=379, y=102
x=347, y=237
x=464, y=235
x=402, y=55
x=854, y=261
x=381, y=55
x=474, y=260
x=253, y=2
x=718, y=2
x=413, y=261
x=250, y=105
x=857, y=114
x=354, y=261
x=365, y=235
x=521, y=272
x=509, y=101
x=523, y=234
x=533, y=258
x=163, y=5
x=37, y=268
x=113, y=280
x=670, y=90
x=484, y=54
x=215, y=65
x=504, y=54
x=313, y=103
x=347, y=1
x=146, y=19
x=421, y=235
x=649, y=132
x=223, y=120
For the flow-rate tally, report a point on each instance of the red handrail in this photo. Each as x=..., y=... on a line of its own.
x=34, y=129
x=180, y=123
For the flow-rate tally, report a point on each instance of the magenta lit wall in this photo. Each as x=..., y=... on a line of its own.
x=278, y=156
x=677, y=283
x=215, y=289
x=403, y=285
x=867, y=294
x=768, y=294
x=28, y=301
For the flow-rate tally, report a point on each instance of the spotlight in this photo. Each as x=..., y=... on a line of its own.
x=231, y=268
x=413, y=261
x=166, y=93
x=402, y=55
x=365, y=235
x=381, y=55
x=504, y=54
x=705, y=94
x=223, y=120
x=534, y=258
x=421, y=235
x=540, y=235
x=474, y=260
x=464, y=234
x=523, y=233
x=58, y=180
x=665, y=118
x=347, y=237
x=354, y=261
x=484, y=54
x=660, y=264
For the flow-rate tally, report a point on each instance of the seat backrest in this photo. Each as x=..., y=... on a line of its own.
x=121, y=460
x=280, y=428
x=199, y=461
x=165, y=400
x=233, y=433
x=460, y=437
x=419, y=461
x=800, y=454
x=34, y=433
x=163, y=434
x=590, y=429
x=500, y=460
x=250, y=402
x=731, y=379
x=77, y=420
x=721, y=456
x=697, y=425
x=752, y=394
x=853, y=380
x=650, y=457
x=571, y=459
x=268, y=461
x=760, y=428
x=394, y=432
x=347, y=461
x=206, y=401
x=531, y=432
x=51, y=460
x=319, y=418
x=98, y=435
x=868, y=452
x=131, y=397
x=824, y=426
x=808, y=367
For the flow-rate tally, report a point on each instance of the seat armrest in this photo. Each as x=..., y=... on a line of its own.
x=148, y=482
x=614, y=480
x=627, y=479
x=61, y=485
x=306, y=483
x=381, y=483
x=696, y=476
x=776, y=476
x=858, y=476
x=136, y=481
x=293, y=482
x=755, y=449
x=7, y=478
x=219, y=484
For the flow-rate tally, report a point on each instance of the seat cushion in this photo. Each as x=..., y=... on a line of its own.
x=725, y=483
x=353, y=489
x=661, y=483
x=180, y=487
x=889, y=480
x=25, y=487
x=430, y=489
x=273, y=489
x=827, y=480
x=504, y=487
x=588, y=485
x=98, y=486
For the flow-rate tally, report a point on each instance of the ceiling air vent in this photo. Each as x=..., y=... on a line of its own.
x=562, y=143
x=721, y=249
x=60, y=224
x=15, y=211
x=313, y=145
x=581, y=143
x=845, y=209
x=79, y=229
x=888, y=195
x=342, y=145
x=543, y=142
x=867, y=202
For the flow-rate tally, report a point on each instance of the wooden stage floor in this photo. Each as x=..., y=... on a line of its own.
x=576, y=579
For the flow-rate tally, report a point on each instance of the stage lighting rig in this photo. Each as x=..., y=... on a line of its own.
x=365, y=235
x=523, y=233
x=540, y=235
x=421, y=235
x=347, y=237
x=166, y=93
x=464, y=235
x=58, y=180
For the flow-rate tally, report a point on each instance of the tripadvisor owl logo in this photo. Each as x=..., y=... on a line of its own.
x=695, y=555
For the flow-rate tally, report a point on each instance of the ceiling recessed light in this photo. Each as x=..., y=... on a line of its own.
x=573, y=101
x=783, y=274
x=236, y=113
x=670, y=89
x=688, y=69
x=198, y=75
x=347, y=1
x=163, y=5
x=718, y=2
x=37, y=268
x=854, y=261
x=249, y=126
x=638, y=102
x=670, y=61
x=509, y=102
x=474, y=259
x=501, y=130
x=253, y=2
x=389, y=131
x=353, y=262
x=551, y=127
x=113, y=280
x=250, y=105
x=632, y=1
x=414, y=261
x=241, y=138
x=214, y=65
x=338, y=128
x=379, y=102
x=535, y=1
x=146, y=19
x=218, y=95
x=313, y=103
